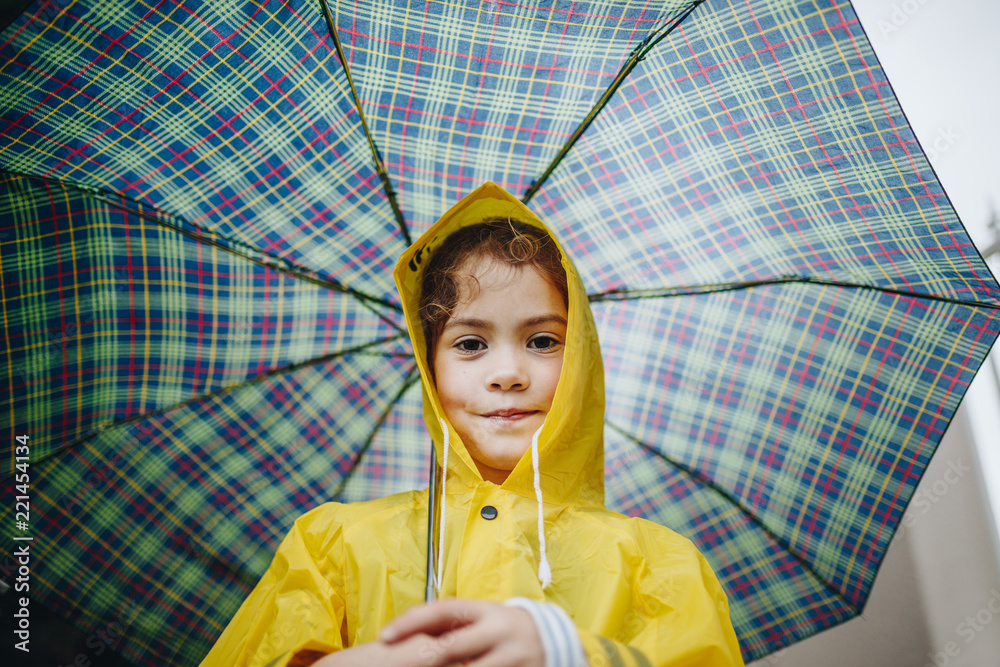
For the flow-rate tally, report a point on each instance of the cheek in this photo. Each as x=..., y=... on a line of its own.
x=450, y=384
x=552, y=380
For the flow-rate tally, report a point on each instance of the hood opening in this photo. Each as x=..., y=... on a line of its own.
x=571, y=444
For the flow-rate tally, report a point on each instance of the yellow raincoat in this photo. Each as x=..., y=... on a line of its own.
x=638, y=593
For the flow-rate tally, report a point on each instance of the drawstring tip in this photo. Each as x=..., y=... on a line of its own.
x=544, y=574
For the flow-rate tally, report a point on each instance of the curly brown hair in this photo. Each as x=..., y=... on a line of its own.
x=498, y=239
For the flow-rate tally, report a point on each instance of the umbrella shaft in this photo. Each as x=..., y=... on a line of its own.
x=429, y=595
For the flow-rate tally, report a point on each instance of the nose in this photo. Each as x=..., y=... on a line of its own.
x=509, y=373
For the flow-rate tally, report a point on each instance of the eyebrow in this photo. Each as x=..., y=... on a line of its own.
x=473, y=323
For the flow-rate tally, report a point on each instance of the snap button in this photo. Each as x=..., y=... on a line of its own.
x=489, y=512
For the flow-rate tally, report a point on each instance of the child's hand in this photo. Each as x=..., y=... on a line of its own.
x=464, y=630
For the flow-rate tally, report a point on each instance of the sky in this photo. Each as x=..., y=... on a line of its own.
x=942, y=58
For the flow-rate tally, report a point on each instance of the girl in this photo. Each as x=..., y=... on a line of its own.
x=540, y=571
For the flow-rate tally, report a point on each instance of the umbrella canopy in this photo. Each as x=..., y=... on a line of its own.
x=201, y=204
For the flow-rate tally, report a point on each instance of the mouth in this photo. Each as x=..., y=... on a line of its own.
x=509, y=415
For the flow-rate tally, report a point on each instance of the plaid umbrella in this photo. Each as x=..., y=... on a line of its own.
x=201, y=203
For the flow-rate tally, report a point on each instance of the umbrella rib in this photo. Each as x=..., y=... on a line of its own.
x=289, y=268
x=638, y=54
x=665, y=292
x=738, y=505
x=412, y=378
x=376, y=155
x=230, y=245
x=289, y=368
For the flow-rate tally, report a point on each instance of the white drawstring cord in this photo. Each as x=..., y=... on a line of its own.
x=544, y=571
x=444, y=481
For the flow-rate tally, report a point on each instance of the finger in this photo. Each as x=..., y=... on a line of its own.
x=434, y=618
x=506, y=654
x=465, y=644
x=492, y=660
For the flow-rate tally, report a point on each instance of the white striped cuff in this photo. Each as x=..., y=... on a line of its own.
x=559, y=639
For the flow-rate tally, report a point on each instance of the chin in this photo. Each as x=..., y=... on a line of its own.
x=504, y=456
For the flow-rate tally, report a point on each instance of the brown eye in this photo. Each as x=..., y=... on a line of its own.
x=470, y=345
x=543, y=343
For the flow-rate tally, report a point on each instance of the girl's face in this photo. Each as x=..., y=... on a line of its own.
x=497, y=363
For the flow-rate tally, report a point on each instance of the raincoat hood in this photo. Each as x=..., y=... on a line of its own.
x=570, y=444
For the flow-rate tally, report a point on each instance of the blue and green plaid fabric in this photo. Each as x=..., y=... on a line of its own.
x=202, y=339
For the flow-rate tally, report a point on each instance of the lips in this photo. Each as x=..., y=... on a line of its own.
x=509, y=414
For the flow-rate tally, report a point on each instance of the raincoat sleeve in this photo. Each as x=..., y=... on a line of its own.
x=295, y=614
x=679, y=616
